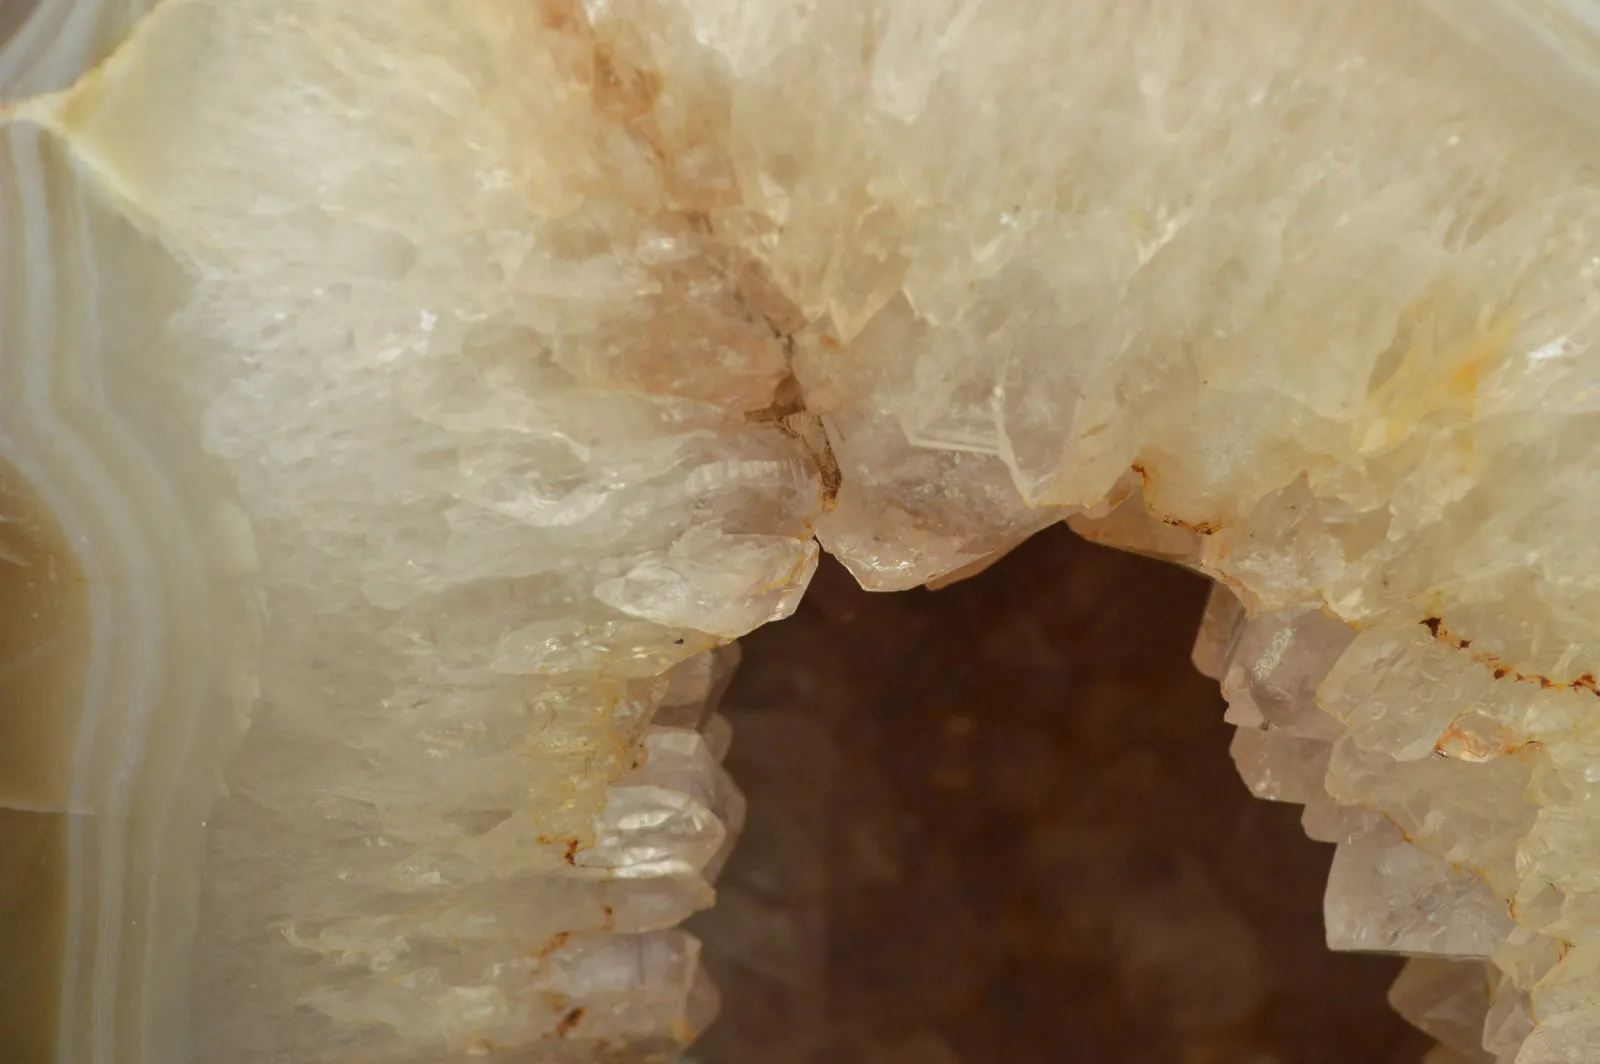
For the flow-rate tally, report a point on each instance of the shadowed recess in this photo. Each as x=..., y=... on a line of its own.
x=998, y=823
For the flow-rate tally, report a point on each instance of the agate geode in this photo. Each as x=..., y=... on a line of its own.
x=404, y=403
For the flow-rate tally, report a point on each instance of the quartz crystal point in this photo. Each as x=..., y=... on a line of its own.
x=401, y=402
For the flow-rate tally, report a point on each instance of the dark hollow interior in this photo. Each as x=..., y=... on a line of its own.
x=999, y=823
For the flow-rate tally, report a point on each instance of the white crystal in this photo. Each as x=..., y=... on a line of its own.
x=1278, y=766
x=1386, y=895
x=1447, y=999
x=1275, y=664
x=1219, y=628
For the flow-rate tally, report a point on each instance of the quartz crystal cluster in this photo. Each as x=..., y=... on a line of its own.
x=425, y=392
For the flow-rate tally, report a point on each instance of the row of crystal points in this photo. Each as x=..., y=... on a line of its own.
x=1471, y=970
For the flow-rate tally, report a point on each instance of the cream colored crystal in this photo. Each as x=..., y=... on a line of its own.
x=1450, y=1001
x=427, y=390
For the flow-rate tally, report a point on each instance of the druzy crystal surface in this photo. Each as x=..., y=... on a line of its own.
x=425, y=394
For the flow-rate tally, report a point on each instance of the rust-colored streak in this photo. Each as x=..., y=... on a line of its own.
x=1456, y=743
x=555, y=942
x=626, y=93
x=788, y=412
x=1500, y=669
x=787, y=401
x=563, y=16
x=832, y=478
x=570, y=1021
x=571, y=856
x=1199, y=528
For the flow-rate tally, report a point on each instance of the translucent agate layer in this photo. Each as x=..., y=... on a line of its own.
x=426, y=391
